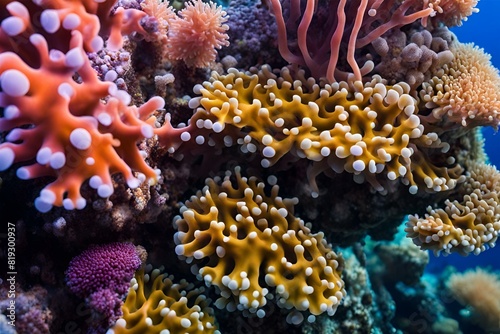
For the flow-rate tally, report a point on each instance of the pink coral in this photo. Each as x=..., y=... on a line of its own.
x=322, y=33
x=194, y=36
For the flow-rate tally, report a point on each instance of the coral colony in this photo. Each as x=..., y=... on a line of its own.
x=296, y=126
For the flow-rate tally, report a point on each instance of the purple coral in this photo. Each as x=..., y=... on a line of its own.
x=109, y=266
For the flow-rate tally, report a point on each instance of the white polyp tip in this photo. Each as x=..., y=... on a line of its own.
x=42, y=206
x=57, y=160
x=23, y=173
x=43, y=155
x=80, y=203
x=105, y=190
x=97, y=44
x=218, y=127
x=14, y=83
x=147, y=131
x=50, y=20
x=358, y=165
x=95, y=181
x=185, y=136
x=74, y=58
x=268, y=152
x=104, y=119
x=111, y=75
x=133, y=183
x=13, y=26
x=123, y=96
x=80, y=138
x=11, y=112
x=65, y=90
x=68, y=204
x=7, y=156
x=45, y=201
x=71, y=21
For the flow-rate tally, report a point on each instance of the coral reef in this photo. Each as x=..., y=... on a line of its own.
x=354, y=114
x=155, y=304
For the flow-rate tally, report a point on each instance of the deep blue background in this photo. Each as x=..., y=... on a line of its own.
x=483, y=29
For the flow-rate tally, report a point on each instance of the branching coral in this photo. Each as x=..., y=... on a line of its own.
x=371, y=130
x=224, y=223
x=469, y=226
x=157, y=305
x=59, y=114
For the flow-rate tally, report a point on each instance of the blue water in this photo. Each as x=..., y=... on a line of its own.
x=483, y=29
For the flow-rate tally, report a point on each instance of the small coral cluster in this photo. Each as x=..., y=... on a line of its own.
x=468, y=226
x=155, y=304
x=101, y=275
x=192, y=36
x=224, y=223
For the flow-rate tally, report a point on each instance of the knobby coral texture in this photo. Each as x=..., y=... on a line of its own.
x=116, y=112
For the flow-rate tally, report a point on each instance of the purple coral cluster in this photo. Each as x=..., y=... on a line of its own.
x=102, y=274
x=109, y=266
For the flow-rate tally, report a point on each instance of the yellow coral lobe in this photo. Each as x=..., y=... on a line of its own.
x=371, y=130
x=157, y=305
x=252, y=245
x=469, y=226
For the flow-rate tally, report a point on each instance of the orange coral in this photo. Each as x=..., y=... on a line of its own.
x=194, y=36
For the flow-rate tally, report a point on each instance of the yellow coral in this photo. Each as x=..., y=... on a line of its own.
x=253, y=246
x=466, y=91
x=155, y=304
x=470, y=226
x=371, y=130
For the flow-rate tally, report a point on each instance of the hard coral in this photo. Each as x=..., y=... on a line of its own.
x=157, y=305
x=371, y=130
x=225, y=222
x=469, y=226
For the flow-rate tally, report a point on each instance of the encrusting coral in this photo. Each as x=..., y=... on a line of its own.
x=468, y=226
x=156, y=304
x=371, y=130
x=224, y=223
